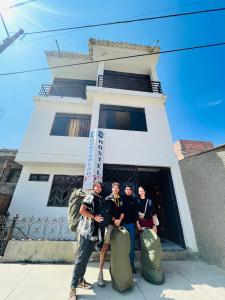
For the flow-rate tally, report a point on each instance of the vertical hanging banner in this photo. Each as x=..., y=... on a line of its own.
x=94, y=164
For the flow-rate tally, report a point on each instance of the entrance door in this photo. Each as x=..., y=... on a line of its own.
x=159, y=186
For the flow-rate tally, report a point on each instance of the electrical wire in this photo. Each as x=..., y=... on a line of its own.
x=129, y=21
x=115, y=58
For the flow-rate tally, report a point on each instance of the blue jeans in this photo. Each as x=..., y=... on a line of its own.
x=131, y=229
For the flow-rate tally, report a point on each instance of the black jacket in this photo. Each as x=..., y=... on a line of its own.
x=130, y=209
x=112, y=208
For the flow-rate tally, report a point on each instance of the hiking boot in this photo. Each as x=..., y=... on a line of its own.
x=101, y=281
x=83, y=284
x=72, y=295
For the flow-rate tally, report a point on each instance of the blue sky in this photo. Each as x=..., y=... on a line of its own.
x=193, y=81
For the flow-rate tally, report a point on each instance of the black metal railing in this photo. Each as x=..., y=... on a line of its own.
x=33, y=228
x=131, y=83
x=45, y=90
x=66, y=88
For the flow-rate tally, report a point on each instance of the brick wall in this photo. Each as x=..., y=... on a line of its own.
x=186, y=148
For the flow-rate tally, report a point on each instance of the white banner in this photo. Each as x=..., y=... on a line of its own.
x=94, y=164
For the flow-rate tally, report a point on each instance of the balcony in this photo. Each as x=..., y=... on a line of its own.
x=66, y=88
x=127, y=81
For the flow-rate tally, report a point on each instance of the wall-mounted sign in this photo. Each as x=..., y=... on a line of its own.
x=94, y=163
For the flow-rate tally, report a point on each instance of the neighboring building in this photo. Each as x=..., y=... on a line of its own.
x=9, y=176
x=186, y=148
x=124, y=99
x=204, y=181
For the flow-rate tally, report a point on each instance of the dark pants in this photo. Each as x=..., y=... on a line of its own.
x=86, y=247
x=131, y=229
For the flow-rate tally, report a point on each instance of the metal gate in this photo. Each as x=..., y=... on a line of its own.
x=122, y=174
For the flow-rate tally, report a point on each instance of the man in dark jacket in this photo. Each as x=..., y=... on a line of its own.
x=130, y=219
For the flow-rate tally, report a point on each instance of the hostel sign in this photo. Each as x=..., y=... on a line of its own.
x=94, y=163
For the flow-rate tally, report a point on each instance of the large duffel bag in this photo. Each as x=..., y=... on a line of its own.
x=120, y=270
x=151, y=255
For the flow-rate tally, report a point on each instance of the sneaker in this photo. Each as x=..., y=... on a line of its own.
x=72, y=295
x=101, y=281
x=83, y=284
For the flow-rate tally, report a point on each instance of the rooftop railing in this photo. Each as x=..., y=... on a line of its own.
x=129, y=83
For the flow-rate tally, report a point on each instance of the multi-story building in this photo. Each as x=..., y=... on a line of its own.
x=124, y=99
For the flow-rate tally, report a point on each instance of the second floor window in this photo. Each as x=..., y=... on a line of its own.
x=122, y=118
x=71, y=125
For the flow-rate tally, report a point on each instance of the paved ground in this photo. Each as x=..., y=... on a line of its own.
x=192, y=280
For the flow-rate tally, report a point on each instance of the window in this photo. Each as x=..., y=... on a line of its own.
x=38, y=177
x=61, y=189
x=71, y=125
x=122, y=117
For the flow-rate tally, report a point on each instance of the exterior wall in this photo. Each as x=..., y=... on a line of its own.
x=31, y=197
x=53, y=149
x=204, y=177
x=40, y=251
x=151, y=148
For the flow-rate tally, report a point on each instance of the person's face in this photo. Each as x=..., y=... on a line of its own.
x=115, y=189
x=128, y=191
x=97, y=188
x=141, y=192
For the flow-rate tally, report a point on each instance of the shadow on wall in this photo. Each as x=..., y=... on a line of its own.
x=204, y=181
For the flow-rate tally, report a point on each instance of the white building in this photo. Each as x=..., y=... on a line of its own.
x=124, y=98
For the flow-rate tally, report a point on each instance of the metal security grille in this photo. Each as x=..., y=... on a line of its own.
x=121, y=174
x=61, y=189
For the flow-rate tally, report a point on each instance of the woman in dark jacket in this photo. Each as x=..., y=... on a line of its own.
x=147, y=216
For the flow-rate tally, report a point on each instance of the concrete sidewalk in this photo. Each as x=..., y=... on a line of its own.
x=185, y=280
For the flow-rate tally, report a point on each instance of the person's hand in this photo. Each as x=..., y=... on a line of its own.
x=117, y=223
x=98, y=218
x=139, y=227
x=154, y=228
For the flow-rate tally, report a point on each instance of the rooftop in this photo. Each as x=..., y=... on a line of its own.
x=104, y=43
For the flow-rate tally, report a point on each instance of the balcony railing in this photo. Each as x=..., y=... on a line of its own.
x=129, y=83
x=66, y=88
x=45, y=90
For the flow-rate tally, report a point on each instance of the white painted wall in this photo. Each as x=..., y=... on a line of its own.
x=151, y=148
x=30, y=197
x=39, y=146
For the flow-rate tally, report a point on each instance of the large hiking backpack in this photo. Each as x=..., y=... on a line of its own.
x=120, y=270
x=151, y=255
x=75, y=201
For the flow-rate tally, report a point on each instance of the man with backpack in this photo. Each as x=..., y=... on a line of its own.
x=90, y=233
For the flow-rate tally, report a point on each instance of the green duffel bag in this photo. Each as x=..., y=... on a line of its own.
x=151, y=255
x=120, y=270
